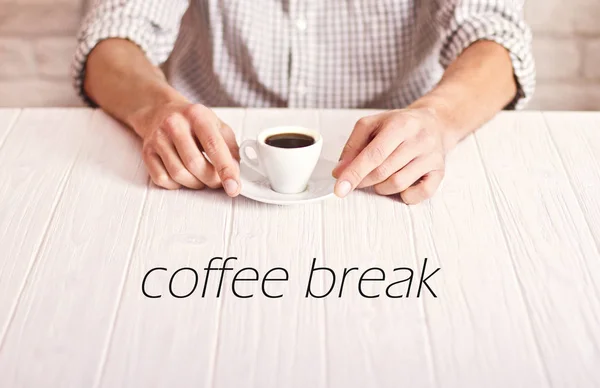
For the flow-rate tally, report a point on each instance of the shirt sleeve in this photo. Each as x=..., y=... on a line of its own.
x=151, y=24
x=501, y=21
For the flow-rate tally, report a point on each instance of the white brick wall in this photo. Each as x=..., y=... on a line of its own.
x=37, y=41
x=567, y=52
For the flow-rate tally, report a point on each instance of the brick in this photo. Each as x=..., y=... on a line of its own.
x=556, y=58
x=17, y=58
x=587, y=17
x=37, y=93
x=566, y=96
x=591, y=65
x=60, y=18
x=556, y=16
x=53, y=56
x=564, y=17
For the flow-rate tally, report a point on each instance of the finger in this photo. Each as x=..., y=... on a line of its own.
x=196, y=163
x=157, y=171
x=207, y=129
x=401, y=156
x=180, y=132
x=424, y=189
x=403, y=179
x=174, y=166
x=371, y=157
x=340, y=167
x=359, y=138
x=229, y=137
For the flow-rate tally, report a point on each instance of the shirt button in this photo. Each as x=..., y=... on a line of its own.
x=301, y=24
x=301, y=89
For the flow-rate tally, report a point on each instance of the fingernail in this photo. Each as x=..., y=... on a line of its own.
x=230, y=186
x=342, y=189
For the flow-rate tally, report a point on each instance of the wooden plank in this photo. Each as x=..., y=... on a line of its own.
x=370, y=342
x=64, y=317
x=554, y=254
x=36, y=161
x=167, y=341
x=8, y=118
x=576, y=136
x=272, y=342
x=481, y=333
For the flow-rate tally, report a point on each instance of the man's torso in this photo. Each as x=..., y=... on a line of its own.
x=307, y=53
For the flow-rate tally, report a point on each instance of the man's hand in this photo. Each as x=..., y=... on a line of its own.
x=403, y=151
x=174, y=137
x=120, y=78
x=397, y=152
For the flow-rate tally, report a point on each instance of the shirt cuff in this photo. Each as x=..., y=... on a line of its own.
x=515, y=37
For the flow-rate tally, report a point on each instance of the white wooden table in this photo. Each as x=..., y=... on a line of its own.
x=515, y=229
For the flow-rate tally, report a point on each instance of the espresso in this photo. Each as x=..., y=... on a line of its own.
x=290, y=140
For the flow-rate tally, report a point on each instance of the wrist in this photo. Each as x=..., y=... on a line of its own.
x=141, y=117
x=442, y=111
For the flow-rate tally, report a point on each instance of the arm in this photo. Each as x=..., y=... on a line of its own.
x=118, y=72
x=403, y=151
x=473, y=89
x=120, y=79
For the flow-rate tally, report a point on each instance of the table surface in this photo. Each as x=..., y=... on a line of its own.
x=515, y=229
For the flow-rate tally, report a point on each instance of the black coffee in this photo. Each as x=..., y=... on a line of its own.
x=290, y=140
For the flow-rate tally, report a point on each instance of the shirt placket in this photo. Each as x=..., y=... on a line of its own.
x=301, y=51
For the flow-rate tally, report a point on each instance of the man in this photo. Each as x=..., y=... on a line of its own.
x=442, y=68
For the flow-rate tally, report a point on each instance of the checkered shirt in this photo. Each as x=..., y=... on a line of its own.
x=308, y=53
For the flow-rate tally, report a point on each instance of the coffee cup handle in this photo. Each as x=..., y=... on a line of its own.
x=252, y=163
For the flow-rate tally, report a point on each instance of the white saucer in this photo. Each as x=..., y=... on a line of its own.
x=320, y=186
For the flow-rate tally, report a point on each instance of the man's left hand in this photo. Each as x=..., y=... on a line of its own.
x=397, y=152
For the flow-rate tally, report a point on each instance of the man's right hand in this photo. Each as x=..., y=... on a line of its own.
x=120, y=78
x=175, y=135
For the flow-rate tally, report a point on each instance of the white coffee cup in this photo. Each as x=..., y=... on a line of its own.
x=287, y=169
